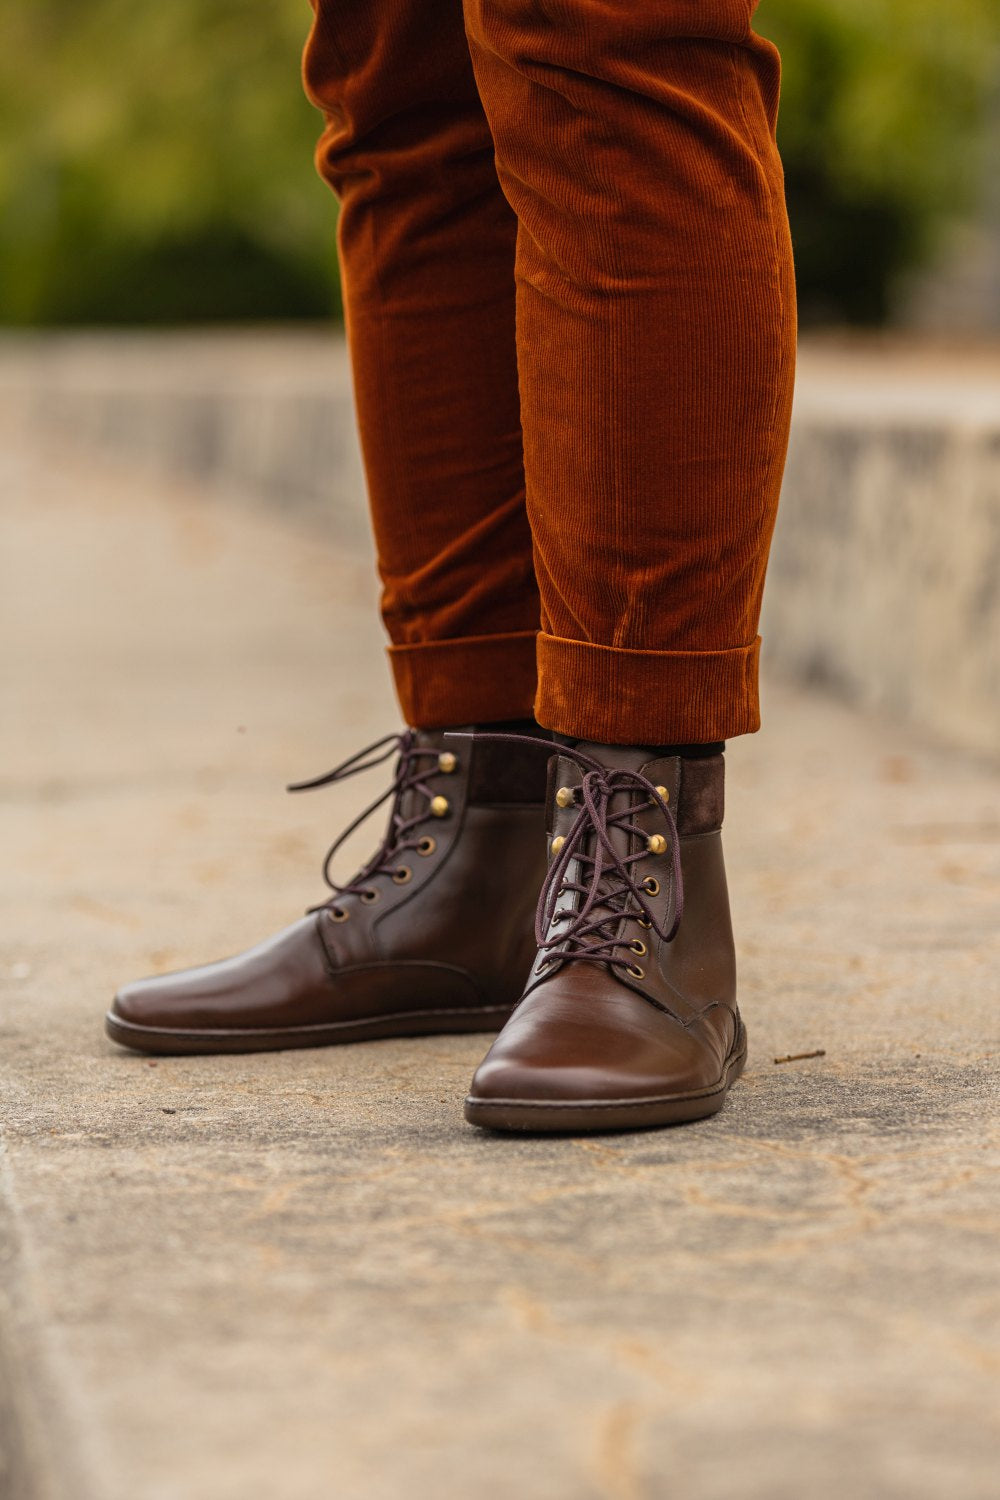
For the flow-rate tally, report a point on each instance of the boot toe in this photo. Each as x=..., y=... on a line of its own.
x=527, y=1079
x=153, y=1015
x=140, y=1003
x=579, y=1081
x=565, y=1071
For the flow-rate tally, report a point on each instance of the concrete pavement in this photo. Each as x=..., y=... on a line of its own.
x=301, y=1275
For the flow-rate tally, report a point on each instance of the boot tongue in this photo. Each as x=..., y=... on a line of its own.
x=623, y=758
x=620, y=757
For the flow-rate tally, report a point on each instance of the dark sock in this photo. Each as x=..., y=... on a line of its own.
x=514, y=726
x=690, y=752
x=687, y=752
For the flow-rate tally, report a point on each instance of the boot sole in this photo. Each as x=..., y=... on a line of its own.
x=165, y=1041
x=580, y=1115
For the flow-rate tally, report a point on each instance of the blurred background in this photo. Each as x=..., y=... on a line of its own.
x=169, y=295
x=154, y=162
x=290, y=1276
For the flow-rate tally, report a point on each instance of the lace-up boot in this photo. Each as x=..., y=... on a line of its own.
x=432, y=935
x=629, y=1015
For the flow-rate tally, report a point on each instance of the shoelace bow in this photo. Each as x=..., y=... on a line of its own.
x=408, y=776
x=608, y=886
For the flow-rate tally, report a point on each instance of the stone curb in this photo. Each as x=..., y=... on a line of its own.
x=884, y=581
x=885, y=575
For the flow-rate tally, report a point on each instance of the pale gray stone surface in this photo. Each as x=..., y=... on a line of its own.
x=301, y=1275
x=885, y=575
x=885, y=578
x=262, y=414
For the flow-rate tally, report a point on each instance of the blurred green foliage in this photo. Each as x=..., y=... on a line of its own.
x=155, y=163
x=155, y=160
x=882, y=135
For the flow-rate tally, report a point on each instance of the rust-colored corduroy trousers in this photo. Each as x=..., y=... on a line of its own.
x=570, y=310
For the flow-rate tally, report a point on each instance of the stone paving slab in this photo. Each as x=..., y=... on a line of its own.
x=302, y=1275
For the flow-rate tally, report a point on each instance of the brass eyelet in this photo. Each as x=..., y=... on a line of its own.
x=447, y=762
x=402, y=875
x=638, y=946
x=439, y=807
x=644, y=922
x=338, y=914
x=635, y=971
x=557, y=843
x=656, y=843
x=370, y=896
x=427, y=845
x=564, y=796
x=652, y=885
x=664, y=793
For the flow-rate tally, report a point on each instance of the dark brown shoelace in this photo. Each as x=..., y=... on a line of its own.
x=408, y=776
x=607, y=884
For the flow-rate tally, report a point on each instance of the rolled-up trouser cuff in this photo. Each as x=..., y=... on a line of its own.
x=621, y=697
x=473, y=680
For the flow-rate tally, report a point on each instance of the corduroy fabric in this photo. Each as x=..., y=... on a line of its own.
x=496, y=674
x=570, y=307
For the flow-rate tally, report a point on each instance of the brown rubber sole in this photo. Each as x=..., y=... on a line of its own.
x=580, y=1115
x=167, y=1041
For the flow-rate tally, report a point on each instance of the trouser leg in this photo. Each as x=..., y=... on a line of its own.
x=426, y=243
x=655, y=347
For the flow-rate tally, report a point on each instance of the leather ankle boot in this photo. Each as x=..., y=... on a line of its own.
x=629, y=1015
x=434, y=934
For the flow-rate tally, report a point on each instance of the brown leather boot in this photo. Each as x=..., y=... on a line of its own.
x=629, y=1017
x=434, y=934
